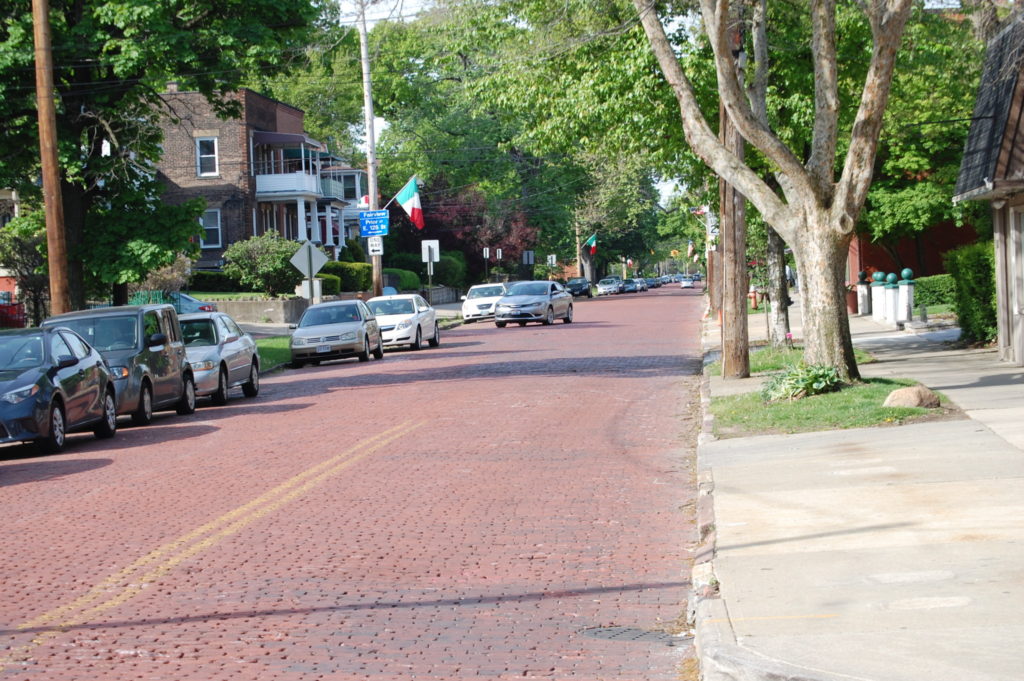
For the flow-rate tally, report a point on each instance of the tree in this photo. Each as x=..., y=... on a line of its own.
x=22, y=251
x=815, y=211
x=111, y=60
x=263, y=263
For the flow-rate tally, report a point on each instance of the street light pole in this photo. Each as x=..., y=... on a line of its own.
x=371, y=143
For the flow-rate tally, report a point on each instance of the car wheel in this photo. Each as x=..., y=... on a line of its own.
x=251, y=388
x=220, y=397
x=107, y=426
x=379, y=352
x=296, y=364
x=468, y=321
x=57, y=435
x=500, y=325
x=568, y=316
x=417, y=343
x=549, y=318
x=435, y=340
x=143, y=414
x=187, y=404
x=521, y=323
x=364, y=356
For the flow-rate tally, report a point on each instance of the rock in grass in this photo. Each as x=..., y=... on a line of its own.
x=914, y=396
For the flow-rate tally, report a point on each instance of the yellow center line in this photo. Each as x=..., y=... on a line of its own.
x=178, y=550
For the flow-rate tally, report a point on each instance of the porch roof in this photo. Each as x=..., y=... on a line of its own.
x=283, y=138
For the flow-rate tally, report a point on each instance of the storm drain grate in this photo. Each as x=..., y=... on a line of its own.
x=634, y=634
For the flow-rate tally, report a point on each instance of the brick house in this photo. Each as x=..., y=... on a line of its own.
x=257, y=174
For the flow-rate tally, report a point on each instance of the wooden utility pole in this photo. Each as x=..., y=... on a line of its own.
x=56, y=250
x=371, y=142
x=735, y=282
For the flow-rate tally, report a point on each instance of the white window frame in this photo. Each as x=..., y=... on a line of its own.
x=200, y=157
x=203, y=243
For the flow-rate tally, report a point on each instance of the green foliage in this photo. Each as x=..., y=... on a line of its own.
x=354, y=276
x=407, y=280
x=262, y=262
x=331, y=285
x=450, y=271
x=973, y=270
x=801, y=380
x=22, y=253
x=406, y=261
x=353, y=251
x=936, y=290
x=217, y=282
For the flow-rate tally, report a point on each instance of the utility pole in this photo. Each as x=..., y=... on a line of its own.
x=56, y=250
x=735, y=282
x=371, y=142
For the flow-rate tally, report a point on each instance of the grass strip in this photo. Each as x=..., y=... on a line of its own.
x=766, y=359
x=274, y=350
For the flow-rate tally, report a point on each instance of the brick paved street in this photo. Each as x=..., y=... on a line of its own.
x=459, y=512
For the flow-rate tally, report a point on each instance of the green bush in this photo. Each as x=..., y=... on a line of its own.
x=973, y=270
x=937, y=290
x=354, y=276
x=801, y=380
x=407, y=281
x=219, y=282
x=331, y=285
x=262, y=263
x=412, y=262
x=450, y=271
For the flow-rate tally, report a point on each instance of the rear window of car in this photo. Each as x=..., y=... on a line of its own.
x=106, y=333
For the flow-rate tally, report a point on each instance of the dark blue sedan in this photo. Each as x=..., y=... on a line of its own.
x=51, y=383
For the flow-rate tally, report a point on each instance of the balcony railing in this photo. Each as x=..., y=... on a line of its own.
x=288, y=183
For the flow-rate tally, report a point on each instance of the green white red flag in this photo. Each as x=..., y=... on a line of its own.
x=591, y=244
x=409, y=197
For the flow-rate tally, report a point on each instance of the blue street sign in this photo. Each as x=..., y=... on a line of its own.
x=373, y=223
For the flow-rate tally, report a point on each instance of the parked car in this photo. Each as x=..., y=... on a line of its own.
x=478, y=303
x=696, y=276
x=405, y=320
x=143, y=346
x=335, y=330
x=534, y=301
x=52, y=382
x=186, y=304
x=607, y=287
x=579, y=286
x=686, y=283
x=641, y=284
x=221, y=354
x=653, y=282
x=629, y=286
x=618, y=280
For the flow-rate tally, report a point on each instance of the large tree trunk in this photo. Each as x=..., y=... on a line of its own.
x=75, y=206
x=778, y=292
x=826, y=334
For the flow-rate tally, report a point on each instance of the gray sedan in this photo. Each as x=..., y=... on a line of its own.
x=221, y=354
x=336, y=330
x=534, y=301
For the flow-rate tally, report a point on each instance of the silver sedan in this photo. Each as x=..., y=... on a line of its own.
x=336, y=330
x=534, y=301
x=221, y=354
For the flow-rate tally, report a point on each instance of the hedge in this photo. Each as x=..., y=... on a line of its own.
x=331, y=285
x=407, y=280
x=973, y=270
x=354, y=276
x=217, y=282
x=937, y=290
x=450, y=271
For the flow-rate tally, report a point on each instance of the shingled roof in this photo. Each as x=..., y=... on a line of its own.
x=993, y=161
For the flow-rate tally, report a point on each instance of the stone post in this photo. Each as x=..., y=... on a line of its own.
x=878, y=297
x=863, y=294
x=892, y=294
x=905, y=299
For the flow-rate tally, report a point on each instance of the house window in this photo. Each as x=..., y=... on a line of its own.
x=211, y=229
x=349, y=187
x=206, y=157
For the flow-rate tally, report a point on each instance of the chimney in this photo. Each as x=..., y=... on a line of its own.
x=172, y=86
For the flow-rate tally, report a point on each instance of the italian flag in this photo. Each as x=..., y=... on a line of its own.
x=591, y=243
x=409, y=197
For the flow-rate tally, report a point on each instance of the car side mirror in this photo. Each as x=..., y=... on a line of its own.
x=231, y=339
x=66, y=361
x=463, y=297
x=293, y=326
x=156, y=339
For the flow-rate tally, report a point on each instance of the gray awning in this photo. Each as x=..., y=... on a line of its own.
x=282, y=138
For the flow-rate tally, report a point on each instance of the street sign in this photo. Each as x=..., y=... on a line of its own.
x=373, y=223
x=308, y=259
x=487, y=252
x=528, y=257
x=552, y=259
x=431, y=250
x=497, y=253
x=375, y=244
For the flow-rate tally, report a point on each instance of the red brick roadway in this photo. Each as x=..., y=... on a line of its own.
x=460, y=512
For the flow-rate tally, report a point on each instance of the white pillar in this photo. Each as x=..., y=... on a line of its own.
x=314, y=221
x=892, y=294
x=332, y=215
x=878, y=302
x=863, y=299
x=905, y=305
x=303, y=232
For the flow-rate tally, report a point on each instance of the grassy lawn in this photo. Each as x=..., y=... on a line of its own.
x=213, y=295
x=855, y=406
x=273, y=351
x=766, y=358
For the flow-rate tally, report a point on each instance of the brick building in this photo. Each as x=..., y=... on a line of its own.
x=258, y=173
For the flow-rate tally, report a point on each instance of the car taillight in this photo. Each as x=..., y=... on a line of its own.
x=207, y=308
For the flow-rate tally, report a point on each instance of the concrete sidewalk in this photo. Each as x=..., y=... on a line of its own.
x=881, y=554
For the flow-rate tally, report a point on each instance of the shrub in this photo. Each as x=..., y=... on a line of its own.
x=354, y=276
x=801, y=380
x=407, y=281
x=262, y=262
x=937, y=290
x=973, y=270
x=331, y=285
x=450, y=271
x=413, y=262
x=219, y=282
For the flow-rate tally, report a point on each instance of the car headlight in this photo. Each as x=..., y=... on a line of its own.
x=404, y=324
x=205, y=365
x=16, y=396
x=348, y=335
x=119, y=371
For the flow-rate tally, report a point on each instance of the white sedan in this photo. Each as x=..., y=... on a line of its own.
x=478, y=303
x=405, y=320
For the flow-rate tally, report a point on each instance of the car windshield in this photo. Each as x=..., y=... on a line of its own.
x=21, y=352
x=578, y=281
x=106, y=333
x=199, y=331
x=386, y=307
x=606, y=282
x=333, y=314
x=530, y=288
x=486, y=292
